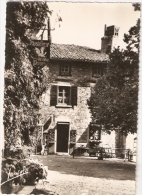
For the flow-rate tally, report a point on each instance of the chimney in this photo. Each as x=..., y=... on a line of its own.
x=105, y=28
x=110, y=39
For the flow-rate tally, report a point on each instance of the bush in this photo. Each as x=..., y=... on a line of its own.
x=29, y=172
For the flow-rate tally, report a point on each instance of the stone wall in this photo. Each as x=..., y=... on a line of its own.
x=78, y=116
x=109, y=43
x=106, y=44
x=81, y=73
x=108, y=140
x=130, y=141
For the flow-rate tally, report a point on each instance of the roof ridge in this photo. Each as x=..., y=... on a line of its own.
x=75, y=45
x=76, y=53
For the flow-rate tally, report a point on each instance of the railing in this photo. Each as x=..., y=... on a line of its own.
x=102, y=152
x=122, y=153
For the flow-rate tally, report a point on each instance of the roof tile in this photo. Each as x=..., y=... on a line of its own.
x=76, y=53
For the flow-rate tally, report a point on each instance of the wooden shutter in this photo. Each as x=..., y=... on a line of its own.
x=60, y=66
x=53, y=95
x=69, y=70
x=74, y=95
x=102, y=71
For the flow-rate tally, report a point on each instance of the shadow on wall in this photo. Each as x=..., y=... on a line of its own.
x=84, y=136
x=80, y=144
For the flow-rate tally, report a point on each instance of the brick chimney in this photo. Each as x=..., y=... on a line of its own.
x=110, y=39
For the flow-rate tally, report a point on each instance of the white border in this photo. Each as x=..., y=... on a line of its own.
x=2, y=60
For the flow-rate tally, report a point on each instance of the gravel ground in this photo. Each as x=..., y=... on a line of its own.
x=67, y=176
x=65, y=184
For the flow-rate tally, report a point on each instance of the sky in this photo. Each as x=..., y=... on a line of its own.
x=83, y=23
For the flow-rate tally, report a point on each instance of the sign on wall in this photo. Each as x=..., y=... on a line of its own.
x=40, y=43
x=40, y=61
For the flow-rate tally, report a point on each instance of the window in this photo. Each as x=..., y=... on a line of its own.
x=95, y=132
x=65, y=70
x=97, y=71
x=63, y=96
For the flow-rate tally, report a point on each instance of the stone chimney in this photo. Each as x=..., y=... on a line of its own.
x=110, y=39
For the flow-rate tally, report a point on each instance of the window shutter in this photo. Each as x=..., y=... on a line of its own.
x=69, y=70
x=60, y=69
x=102, y=71
x=53, y=95
x=74, y=95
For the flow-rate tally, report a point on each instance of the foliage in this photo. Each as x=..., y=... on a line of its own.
x=36, y=171
x=21, y=172
x=11, y=169
x=133, y=38
x=35, y=139
x=114, y=99
x=137, y=6
x=23, y=80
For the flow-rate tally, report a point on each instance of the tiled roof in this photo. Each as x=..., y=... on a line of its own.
x=76, y=53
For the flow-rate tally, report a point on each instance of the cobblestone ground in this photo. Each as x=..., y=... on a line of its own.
x=65, y=184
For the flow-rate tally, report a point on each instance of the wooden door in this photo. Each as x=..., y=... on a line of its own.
x=62, y=137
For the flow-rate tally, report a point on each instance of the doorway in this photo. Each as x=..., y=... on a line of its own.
x=62, y=137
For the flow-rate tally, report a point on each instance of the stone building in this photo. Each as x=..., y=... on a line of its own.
x=72, y=72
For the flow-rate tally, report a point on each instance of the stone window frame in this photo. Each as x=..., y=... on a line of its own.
x=65, y=70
